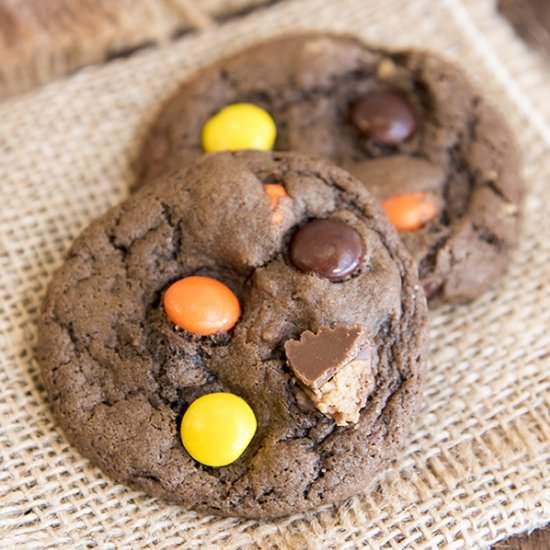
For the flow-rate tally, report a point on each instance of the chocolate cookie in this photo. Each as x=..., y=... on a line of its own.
x=530, y=19
x=245, y=337
x=407, y=123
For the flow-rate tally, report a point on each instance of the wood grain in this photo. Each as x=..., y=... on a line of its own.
x=41, y=40
x=537, y=540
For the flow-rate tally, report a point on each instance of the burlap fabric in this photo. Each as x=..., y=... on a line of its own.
x=477, y=468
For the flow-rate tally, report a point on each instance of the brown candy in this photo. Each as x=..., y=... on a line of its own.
x=315, y=358
x=330, y=248
x=332, y=369
x=386, y=117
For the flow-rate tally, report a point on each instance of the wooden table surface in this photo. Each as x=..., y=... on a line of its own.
x=537, y=540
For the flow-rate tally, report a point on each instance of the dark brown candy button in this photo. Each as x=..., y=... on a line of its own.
x=330, y=248
x=385, y=117
x=316, y=358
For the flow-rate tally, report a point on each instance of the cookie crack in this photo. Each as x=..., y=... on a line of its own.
x=487, y=236
x=492, y=185
x=177, y=233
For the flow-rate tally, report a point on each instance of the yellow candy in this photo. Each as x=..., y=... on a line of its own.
x=217, y=428
x=239, y=126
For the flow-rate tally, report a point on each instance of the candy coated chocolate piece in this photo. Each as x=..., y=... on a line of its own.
x=202, y=305
x=217, y=428
x=239, y=126
x=316, y=358
x=330, y=248
x=386, y=117
x=275, y=192
x=411, y=211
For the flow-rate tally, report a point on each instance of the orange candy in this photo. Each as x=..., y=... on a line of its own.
x=202, y=305
x=275, y=192
x=409, y=212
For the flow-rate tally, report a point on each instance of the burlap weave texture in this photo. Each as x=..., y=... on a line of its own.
x=478, y=467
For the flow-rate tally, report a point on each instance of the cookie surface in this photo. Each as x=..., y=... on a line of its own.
x=530, y=19
x=442, y=140
x=121, y=375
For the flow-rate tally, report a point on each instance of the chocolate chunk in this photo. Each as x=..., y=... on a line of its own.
x=316, y=358
x=334, y=369
x=330, y=248
x=385, y=116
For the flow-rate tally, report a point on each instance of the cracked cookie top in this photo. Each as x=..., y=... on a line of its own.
x=407, y=123
x=122, y=369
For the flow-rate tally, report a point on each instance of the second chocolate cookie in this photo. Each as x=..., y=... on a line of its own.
x=408, y=124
